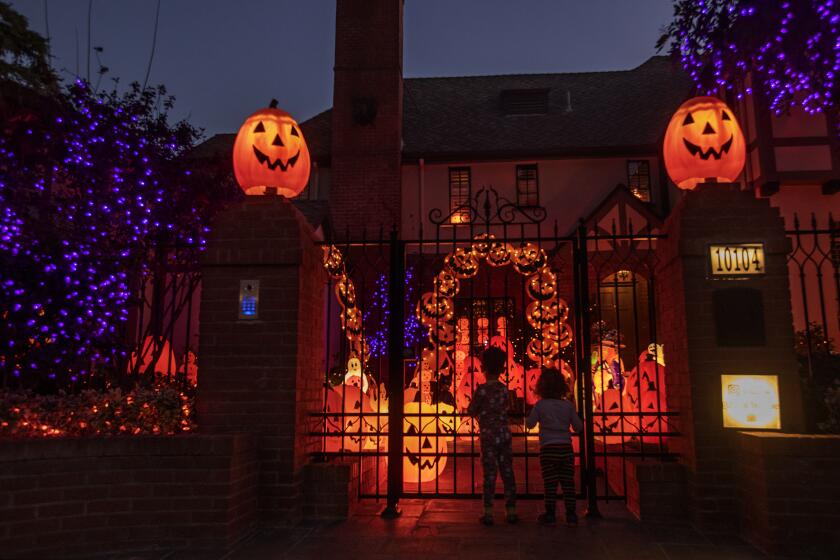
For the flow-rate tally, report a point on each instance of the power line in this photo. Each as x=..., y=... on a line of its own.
x=154, y=43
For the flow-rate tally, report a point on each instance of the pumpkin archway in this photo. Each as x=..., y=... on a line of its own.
x=546, y=312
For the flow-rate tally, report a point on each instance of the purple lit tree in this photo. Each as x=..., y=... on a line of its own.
x=787, y=51
x=92, y=186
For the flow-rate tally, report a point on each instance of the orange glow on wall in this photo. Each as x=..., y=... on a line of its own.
x=270, y=151
x=703, y=141
x=751, y=401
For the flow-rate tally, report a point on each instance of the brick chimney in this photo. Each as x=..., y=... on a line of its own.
x=367, y=116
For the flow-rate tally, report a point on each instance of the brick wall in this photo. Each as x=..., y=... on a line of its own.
x=93, y=496
x=719, y=213
x=789, y=493
x=331, y=489
x=366, y=156
x=264, y=376
x=656, y=491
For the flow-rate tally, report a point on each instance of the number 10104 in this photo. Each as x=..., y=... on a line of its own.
x=739, y=259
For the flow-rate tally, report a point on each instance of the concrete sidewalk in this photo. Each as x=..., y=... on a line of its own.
x=449, y=529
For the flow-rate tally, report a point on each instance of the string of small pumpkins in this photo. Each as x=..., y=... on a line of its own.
x=546, y=313
x=351, y=315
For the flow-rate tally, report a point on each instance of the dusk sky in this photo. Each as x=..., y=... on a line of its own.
x=224, y=59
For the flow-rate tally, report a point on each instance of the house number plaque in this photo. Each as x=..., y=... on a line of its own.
x=736, y=259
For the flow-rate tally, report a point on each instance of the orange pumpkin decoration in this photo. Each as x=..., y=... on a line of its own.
x=270, y=152
x=704, y=141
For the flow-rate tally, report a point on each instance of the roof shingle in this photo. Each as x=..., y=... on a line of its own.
x=462, y=117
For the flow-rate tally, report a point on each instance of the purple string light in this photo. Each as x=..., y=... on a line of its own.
x=85, y=197
x=790, y=49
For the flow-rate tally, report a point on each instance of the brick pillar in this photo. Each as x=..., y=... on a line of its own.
x=719, y=213
x=367, y=116
x=264, y=376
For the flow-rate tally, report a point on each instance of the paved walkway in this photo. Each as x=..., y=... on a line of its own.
x=449, y=529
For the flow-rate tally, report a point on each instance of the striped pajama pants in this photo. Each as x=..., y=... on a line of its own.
x=557, y=461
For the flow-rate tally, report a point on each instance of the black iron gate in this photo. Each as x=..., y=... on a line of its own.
x=409, y=317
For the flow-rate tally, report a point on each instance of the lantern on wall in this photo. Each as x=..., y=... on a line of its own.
x=270, y=152
x=703, y=141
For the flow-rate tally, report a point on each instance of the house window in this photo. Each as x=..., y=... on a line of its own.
x=527, y=185
x=638, y=178
x=459, y=195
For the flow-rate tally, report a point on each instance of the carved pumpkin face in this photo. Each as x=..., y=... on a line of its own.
x=613, y=414
x=433, y=309
x=499, y=253
x=703, y=140
x=481, y=244
x=345, y=291
x=542, y=351
x=423, y=452
x=442, y=334
x=446, y=283
x=528, y=259
x=333, y=262
x=558, y=332
x=347, y=428
x=541, y=313
x=270, y=152
x=351, y=322
x=471, y=376
x=463, y=263
x=542, y=285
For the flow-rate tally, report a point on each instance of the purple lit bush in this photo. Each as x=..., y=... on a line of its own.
x=91, y=185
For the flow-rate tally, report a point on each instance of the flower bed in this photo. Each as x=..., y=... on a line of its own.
x=158, y=409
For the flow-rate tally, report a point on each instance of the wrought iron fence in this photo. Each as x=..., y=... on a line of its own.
x=424, y=308
x=814, y=268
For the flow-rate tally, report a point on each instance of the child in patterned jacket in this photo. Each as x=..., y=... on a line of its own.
x=490, y=405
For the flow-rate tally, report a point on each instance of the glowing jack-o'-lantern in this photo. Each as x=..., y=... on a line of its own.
x=463, y=263
x=432, y=309
x=528, y=259
x=613, y=415
x=270, y=151
x=541, y=313
x=703, y=140
x=469, y=379
x=344, y=408
x=543, y=285
x=424, y=441
x=499, y=254
x=345, y=291
x=446, y=283
x=333, y=261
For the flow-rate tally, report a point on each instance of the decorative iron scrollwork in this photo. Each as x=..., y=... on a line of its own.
x=488, y=208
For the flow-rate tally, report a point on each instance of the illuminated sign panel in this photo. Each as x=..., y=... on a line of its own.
x=736, y=259
x=751, y=401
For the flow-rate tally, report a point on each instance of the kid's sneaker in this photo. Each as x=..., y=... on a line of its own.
x=571, y=519
x=547, y=519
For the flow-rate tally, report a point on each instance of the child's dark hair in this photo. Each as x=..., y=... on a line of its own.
x=552, y=384
x=493, y=360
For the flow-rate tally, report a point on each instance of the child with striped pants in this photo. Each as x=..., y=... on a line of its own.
x=555, y=414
